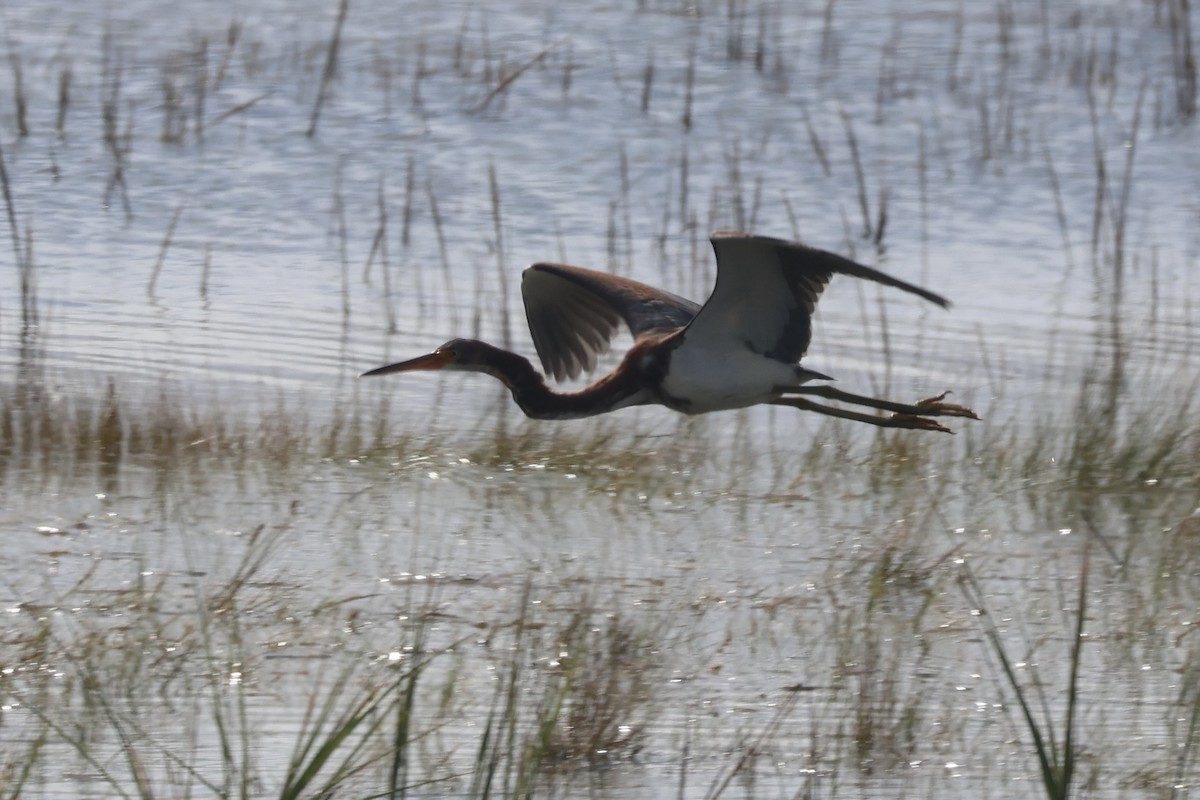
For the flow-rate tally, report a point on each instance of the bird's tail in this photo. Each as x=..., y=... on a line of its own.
x=804, y=375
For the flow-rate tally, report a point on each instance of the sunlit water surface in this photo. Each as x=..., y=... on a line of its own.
x=237, y=266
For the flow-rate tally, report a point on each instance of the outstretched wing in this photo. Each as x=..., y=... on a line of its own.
x=767, y=290
x=574, y=313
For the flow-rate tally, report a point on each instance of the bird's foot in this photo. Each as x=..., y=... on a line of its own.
x=914, y=422
x=934, y=405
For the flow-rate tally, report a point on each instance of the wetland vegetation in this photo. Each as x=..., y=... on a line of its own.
x=230, y=570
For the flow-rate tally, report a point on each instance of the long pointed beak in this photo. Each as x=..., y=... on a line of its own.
x=435, y=360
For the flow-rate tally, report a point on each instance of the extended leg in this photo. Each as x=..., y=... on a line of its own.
x=932, y=406
x=901, y=420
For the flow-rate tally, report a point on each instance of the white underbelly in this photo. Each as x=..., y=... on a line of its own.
x=702, y=382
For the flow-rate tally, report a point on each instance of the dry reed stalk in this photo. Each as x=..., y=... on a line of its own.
x=162, y=250
x=330, y=66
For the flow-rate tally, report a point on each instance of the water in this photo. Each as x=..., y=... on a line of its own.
x=756, y=562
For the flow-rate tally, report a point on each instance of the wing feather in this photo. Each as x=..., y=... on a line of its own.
x=767, y=290
x=574, y=313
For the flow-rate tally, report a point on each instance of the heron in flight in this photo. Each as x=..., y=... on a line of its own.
x=741, y=348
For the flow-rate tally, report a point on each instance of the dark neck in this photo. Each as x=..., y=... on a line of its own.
x=619, y=389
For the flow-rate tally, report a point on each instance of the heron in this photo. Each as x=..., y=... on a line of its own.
x=741, y=348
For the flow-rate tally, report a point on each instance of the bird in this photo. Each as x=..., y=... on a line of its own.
x=740, y=348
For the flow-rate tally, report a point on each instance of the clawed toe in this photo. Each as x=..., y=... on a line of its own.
x=934, y=405
x=918, y=423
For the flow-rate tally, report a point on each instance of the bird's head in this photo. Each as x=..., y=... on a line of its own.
x=468, y=355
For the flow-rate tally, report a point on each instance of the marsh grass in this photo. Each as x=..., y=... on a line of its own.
x=576, y=686
x=573, y=689
x=1183, y=59
x=330, y=70
x=750, y=748
x=1056, y=746
x=607, y=668
x=883, y=649
x=22, y=255
x=1060, y=463
x=20, y=101
x=49, y=437
x=1187, y=731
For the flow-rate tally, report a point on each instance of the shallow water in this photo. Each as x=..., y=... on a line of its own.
x=751, y=560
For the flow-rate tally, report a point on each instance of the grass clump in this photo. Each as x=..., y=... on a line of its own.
x=157, y=700
x=1056, y=747
x=585, y=701
x=606, y=668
